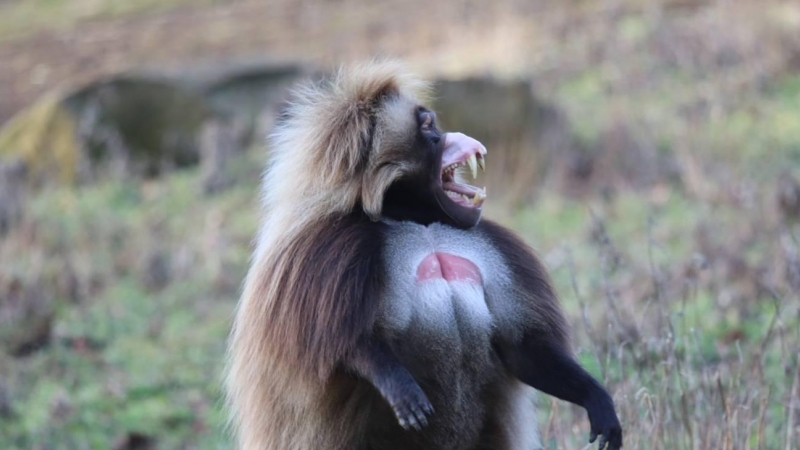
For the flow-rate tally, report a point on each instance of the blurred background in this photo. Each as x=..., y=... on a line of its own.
x=649, y=151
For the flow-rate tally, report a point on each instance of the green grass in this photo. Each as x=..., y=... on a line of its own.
x=153, y=357
x=688, y=346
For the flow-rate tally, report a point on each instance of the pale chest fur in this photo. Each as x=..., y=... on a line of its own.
x=443, y=280
x=448, y=294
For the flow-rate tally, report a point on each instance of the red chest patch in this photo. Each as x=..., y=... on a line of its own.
x=448, y=267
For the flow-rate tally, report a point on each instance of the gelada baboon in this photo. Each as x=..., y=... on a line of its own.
x=380, y=312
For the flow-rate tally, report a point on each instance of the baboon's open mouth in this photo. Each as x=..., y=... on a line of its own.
x=462, y=154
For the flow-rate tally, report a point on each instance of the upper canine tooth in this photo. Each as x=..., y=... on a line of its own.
x=473, y=165
x=482, y=162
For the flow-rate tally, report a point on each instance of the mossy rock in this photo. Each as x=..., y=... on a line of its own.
x=152, y=122
x=142, y=124
x=44, y=136
x=137, y=125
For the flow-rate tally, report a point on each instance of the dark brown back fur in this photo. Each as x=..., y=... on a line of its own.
x=326, y=289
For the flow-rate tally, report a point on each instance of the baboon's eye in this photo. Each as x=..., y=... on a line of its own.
x=427, y=125
x=426, y=119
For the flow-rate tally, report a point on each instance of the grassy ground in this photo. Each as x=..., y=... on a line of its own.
x=698, y=346
x=683, y=296
x=698, y=338
x=139, y=336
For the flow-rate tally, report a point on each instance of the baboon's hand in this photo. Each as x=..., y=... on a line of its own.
x=410, y=405
x=604, y=423
x=373, y=360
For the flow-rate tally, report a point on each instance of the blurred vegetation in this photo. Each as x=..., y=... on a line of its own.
x=682, y=287
x=45, y=137
x=23, y=17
